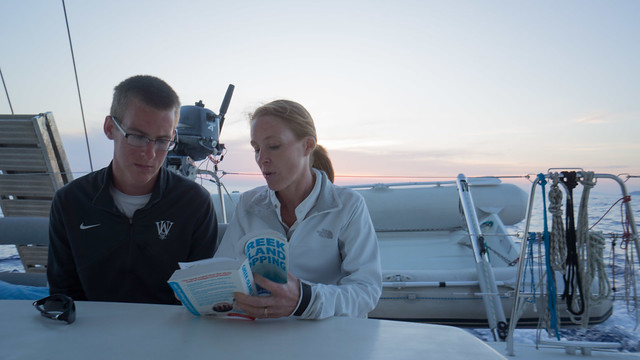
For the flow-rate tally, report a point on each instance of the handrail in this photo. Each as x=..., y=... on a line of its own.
x=454, y=283
x=476, y=181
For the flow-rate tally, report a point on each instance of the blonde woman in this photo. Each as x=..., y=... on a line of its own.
x=334, y=265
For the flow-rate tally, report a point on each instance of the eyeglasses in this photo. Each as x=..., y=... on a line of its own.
x=57, y=307
x=142, y=141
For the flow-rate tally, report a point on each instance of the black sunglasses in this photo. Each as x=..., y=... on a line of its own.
x=57, y=307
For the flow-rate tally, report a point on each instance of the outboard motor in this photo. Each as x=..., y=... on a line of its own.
x=198, y=132
x=198, y=136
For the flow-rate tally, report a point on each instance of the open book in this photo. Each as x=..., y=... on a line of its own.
x=206, y=287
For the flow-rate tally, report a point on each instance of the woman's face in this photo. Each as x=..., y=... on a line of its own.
x=282, y=158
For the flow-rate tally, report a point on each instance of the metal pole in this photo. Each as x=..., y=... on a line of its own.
x=523, y=251
x=486, y=277
x=6, y=91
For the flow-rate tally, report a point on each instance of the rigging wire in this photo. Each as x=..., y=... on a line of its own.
x=75, y=71
x=6, y=91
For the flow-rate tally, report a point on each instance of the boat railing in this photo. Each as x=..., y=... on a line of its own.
x=520, y=298
x=474, y=181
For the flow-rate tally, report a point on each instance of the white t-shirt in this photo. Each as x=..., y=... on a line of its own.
x=128, y=204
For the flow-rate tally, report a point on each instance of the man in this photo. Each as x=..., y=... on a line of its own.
x=117, y=234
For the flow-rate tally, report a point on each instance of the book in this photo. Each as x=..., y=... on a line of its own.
x=267, y=254
x=206, y=287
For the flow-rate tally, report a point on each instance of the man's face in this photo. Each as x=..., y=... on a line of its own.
x=135, y=169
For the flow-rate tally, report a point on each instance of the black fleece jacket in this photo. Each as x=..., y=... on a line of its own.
x=96, y=253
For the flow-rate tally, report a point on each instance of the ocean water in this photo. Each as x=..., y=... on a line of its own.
x=621, y=327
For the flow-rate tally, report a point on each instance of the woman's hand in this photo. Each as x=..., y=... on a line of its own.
x=282, y=301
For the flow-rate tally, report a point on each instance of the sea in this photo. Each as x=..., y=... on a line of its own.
x=604, y=208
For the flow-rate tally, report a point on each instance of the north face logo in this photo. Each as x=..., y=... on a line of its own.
x=163, y=228
x=325, y=233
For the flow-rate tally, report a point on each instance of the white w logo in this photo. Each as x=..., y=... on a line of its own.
x=163, y=228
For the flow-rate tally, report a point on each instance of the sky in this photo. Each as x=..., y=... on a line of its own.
x=411, y=89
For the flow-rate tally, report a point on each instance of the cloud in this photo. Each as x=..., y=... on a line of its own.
x=593, y=119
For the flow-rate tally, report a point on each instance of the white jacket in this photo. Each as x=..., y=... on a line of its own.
x=332, y=246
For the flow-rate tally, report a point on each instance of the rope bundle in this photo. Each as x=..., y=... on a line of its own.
x=550, y=317
x=578, y=254
x=558, y=243
x=591, y=252
x=573, y=292
x=595, y=265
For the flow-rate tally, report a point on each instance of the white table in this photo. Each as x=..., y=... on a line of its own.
x=142, y=331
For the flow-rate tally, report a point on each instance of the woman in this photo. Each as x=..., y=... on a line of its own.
x=334, y=265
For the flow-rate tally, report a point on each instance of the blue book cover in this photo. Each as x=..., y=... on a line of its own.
x=267, y=252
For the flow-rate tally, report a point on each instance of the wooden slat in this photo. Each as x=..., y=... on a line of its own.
x=29, y=208
x=33, y=164
x=28, y=185
x=18, y=132
x=34, y=258
x=14, y=159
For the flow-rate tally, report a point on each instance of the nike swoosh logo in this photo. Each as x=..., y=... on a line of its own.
x=85, y=227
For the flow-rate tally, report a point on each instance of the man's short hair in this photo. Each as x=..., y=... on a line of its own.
x=150, y=90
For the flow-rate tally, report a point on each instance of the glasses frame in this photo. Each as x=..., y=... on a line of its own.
x=170, y=146
x=57, y=307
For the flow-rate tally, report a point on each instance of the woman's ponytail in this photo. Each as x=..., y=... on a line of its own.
x=322, y=162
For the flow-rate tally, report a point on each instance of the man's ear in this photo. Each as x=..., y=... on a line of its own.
x=108, y=127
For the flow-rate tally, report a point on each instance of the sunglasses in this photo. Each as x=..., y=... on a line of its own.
x=57, y=307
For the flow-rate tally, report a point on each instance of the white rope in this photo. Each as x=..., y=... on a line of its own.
x=630, y=288
x=582, y=240
x=582, y=226
x=557, y=236
x=595, y=267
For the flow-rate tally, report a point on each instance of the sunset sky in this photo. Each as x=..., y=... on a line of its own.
x=397, y=88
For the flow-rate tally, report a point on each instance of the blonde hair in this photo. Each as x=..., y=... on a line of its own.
x=300, y=122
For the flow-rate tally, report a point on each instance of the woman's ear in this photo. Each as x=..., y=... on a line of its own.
x=108, y=127
x=309, y=145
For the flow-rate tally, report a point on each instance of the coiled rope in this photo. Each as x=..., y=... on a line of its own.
x=595, y=265
x=550, y=317
x=591, y=252
x=557, y=238
x=573, y=294
x=630, y=289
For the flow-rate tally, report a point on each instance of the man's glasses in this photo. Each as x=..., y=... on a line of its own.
x=142, y=141
x=57, y=307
